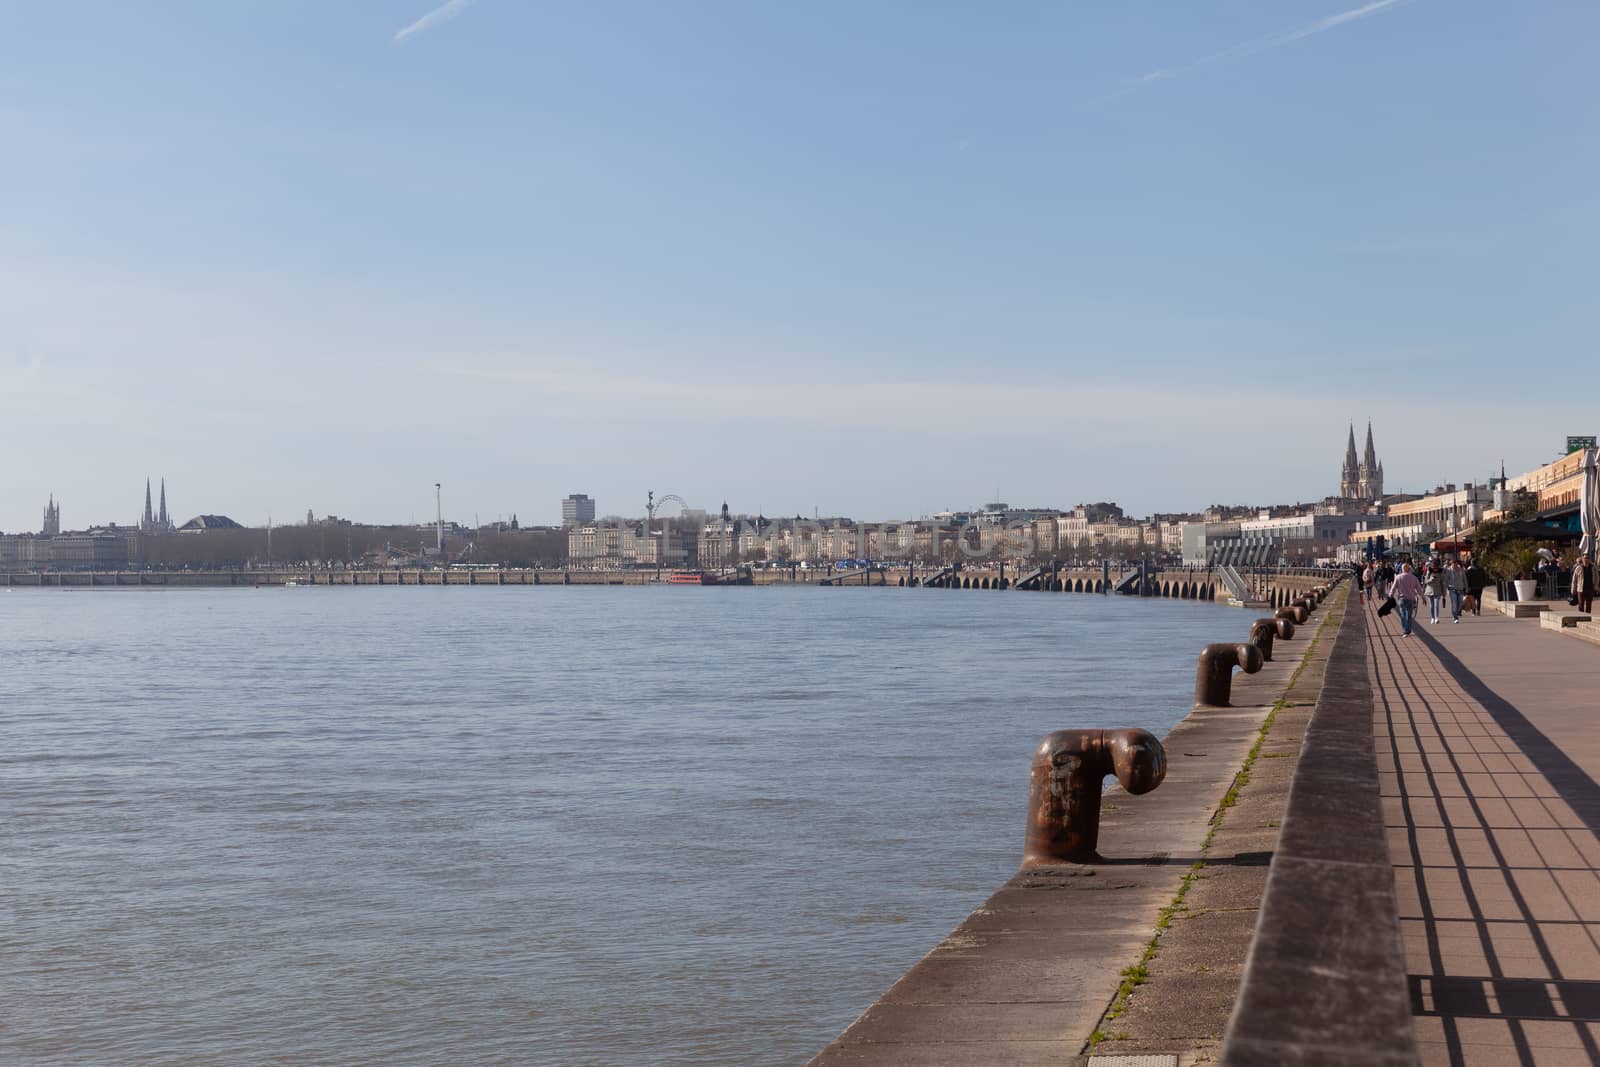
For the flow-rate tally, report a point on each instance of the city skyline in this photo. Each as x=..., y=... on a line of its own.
x=865, y=261
x=576, y=508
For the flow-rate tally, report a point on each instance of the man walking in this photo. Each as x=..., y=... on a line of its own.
x=1477, y=582
x=1407, y=593
x=1455, y=584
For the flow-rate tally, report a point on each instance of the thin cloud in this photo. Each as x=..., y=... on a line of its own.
x=1265, y=44
x=909, y=405
x=443, y=13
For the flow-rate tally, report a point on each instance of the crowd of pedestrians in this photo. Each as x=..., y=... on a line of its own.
x=1449, y=583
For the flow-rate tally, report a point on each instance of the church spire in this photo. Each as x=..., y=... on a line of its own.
x=165, y=523
x=1350, y=474
x=1370, y=458
x=149, y=518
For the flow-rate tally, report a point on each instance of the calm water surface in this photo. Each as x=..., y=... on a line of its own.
x=551, y=826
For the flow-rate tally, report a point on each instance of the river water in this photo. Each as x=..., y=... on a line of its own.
x=586, y=825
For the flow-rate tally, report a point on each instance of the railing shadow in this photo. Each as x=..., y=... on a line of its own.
x=1567, y=778
x=1494, y=953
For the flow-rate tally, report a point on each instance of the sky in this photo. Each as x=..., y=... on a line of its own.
x=873, y=259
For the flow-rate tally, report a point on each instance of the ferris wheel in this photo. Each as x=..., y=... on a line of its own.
x=653, y=506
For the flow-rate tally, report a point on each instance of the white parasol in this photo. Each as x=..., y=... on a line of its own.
x=1589, y=502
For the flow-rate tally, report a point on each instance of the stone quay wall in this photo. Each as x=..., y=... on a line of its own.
x=1143, y=949
x=1276, y=588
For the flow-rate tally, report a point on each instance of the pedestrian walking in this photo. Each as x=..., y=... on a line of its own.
x=1407, y=593
x=1368, y=577
x=1583, y=582
x=1455, y=586
x=1477, y=582
x=1433, y=589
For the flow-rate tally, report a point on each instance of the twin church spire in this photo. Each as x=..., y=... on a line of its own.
x=1361, y=479
x=153, y=521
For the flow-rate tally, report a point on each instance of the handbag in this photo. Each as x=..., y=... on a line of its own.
x=1386, y=607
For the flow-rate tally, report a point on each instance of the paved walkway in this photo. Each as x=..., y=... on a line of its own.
x=1488, y=744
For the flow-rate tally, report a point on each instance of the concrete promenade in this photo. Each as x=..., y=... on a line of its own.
x=1488, y=750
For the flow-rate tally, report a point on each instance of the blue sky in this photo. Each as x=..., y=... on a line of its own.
x=875, y=259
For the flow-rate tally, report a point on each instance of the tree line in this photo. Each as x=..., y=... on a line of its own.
x=345, y=546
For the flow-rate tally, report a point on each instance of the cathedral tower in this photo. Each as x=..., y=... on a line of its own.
x=1361, y=479
x=155, y=521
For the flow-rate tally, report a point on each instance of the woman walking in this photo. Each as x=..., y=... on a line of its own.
x=1433, y=589
x=1583, y=581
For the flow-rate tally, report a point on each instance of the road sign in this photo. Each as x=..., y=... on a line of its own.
x=1575, y=443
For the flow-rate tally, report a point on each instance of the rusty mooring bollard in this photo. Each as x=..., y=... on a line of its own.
x=1213, y=680
x=1064, y=790
x=1262, y=631
x=1285, y=626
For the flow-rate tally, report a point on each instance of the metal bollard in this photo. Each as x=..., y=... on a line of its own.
x=1297, y=612
x=1213, y=680
x=1285, y=626
x=1064, y=788
x=1262, y=631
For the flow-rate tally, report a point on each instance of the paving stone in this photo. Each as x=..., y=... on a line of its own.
x=1495, y=858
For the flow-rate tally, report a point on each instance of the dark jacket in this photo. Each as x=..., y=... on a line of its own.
x=1477, y=578
x=1583, y=578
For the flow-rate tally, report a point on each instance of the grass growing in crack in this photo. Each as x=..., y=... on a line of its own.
x=1136, y=976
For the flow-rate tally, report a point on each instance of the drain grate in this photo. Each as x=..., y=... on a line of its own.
x=1135, y=1059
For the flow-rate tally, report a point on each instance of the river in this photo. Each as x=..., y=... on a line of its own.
x=555, y=825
